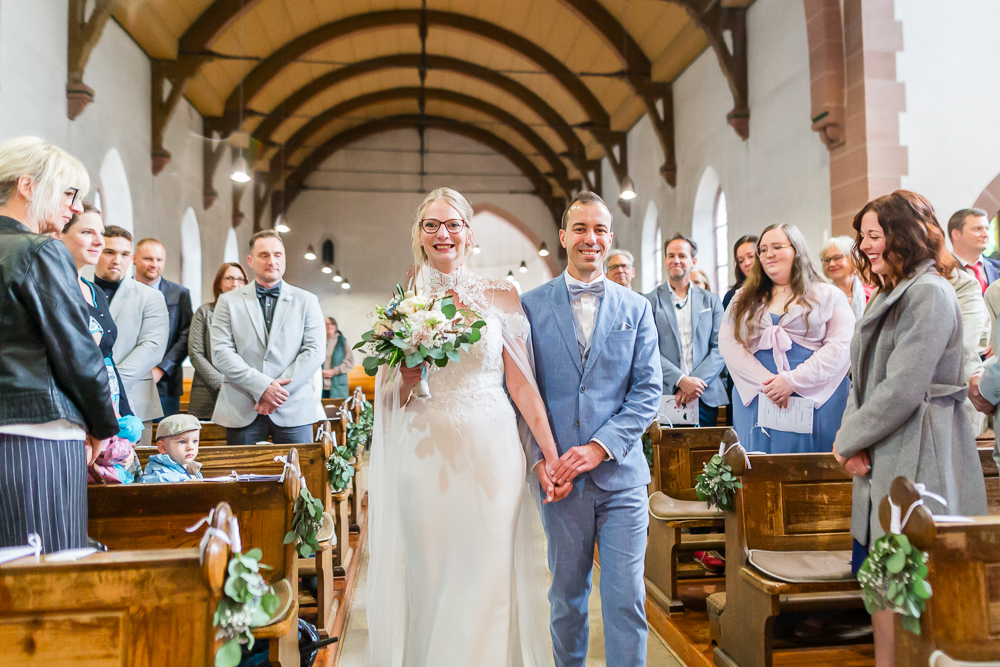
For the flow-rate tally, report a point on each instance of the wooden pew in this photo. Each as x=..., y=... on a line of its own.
x=678, y=457
x=962, y=618
x=155, y=516
x=138, y=608
x=788, y=503
x=211, y=434
x=330, y=562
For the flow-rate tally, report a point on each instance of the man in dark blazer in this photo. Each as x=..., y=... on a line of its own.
x=687, y=322
x=968, y=230
x=150, y=258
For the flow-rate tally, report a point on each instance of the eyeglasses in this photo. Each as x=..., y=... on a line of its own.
x=615, y=267
x=774, y=247
x=832, y=258
x=431, y=226
x=72, y=194
x=234, y=279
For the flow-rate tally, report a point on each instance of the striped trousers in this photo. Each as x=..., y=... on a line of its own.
x=43, y=489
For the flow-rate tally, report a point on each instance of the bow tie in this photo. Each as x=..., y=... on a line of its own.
x=594, y=289
x=273, y=291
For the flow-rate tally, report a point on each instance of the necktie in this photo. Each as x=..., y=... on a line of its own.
x=977, y=269
x=594, y=289
x=268, y=297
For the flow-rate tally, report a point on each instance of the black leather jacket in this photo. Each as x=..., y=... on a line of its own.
x=50, y=367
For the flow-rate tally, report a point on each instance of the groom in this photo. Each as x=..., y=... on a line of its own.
x=597, y=365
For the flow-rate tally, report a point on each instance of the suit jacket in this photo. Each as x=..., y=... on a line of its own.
x=706, y=316
x=140, y=313
x=250, y=357
x=178, y=300
x=991, y=267
x=614, y=395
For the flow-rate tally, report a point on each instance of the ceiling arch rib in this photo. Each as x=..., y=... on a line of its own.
x=295, y=182
x=311, y=128
x=575, y=151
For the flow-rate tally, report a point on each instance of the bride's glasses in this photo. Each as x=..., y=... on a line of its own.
x=431, y=226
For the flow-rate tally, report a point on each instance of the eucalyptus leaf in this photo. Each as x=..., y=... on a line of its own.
x=254, y=554
x=896, y=562
x=229, y=654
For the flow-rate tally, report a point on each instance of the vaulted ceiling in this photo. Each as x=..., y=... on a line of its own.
x=552, y=84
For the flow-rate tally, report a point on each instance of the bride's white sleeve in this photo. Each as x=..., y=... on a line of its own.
x=529, y=544
x=385, y=603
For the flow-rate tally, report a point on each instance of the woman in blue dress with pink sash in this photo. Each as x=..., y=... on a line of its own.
x=787, y=334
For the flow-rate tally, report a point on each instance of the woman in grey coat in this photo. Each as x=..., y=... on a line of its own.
x=207, y=380
x=904, y=416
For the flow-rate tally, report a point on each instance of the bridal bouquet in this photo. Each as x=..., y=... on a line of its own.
x=414, y=328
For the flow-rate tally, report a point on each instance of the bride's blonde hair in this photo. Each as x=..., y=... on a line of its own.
x=458, y=202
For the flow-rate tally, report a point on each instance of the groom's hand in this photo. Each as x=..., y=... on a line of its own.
x=548, y=488
x=577, y=460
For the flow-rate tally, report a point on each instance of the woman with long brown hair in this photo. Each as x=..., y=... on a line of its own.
x=904, y=415
x=207, y=380
x=786, y=334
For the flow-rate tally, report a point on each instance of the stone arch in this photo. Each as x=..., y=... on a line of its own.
x=116, y=196
x=651, y=249
x=521, y=226
x=191, y=268
x=703, y=218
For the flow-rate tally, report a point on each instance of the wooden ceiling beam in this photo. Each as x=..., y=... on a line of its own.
x=83, y=35
x=310, y=129
x=575, y=151
x=543, y=189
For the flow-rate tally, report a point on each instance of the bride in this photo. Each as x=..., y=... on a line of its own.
x=452, y=577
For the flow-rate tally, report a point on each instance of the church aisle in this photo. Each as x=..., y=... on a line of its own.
x=357, y=631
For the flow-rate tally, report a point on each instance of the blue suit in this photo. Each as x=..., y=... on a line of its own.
x=611, y=394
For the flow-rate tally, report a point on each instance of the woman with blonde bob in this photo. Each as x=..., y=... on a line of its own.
x=838, y=267
x=56, y=412
x=448, y=480
x=787, y=333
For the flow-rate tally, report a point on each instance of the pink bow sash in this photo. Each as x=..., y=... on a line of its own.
x=776, y=339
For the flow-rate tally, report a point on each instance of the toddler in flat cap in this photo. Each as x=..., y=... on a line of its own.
x=177, y=440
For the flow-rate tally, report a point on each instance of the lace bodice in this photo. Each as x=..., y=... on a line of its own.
x=476, y=382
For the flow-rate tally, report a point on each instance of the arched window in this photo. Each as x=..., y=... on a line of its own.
x=652, y=249
x=705, y=230
x=191, y=256
x=116, y=197
x=231, y=253
x=721, y=242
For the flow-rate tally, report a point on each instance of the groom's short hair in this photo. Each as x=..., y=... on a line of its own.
x=586, y=197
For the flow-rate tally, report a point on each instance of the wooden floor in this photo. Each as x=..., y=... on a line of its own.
x=687, y=634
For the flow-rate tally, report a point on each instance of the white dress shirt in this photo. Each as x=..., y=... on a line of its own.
x=585, y=310
x=685, y=327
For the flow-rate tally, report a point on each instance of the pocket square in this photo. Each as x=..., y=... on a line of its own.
x=704, y=310
x=625, y=327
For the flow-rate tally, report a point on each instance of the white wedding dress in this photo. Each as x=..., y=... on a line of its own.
x=454, y=580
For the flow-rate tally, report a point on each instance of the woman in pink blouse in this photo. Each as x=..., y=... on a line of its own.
x=787, y=334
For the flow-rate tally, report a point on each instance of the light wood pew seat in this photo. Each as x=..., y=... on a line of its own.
x=678, y=458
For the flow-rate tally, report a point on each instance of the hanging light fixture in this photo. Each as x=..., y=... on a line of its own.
x=281, y=226
x=510, y=276
x=326, y=269
x=476, y=249
x=346, y=284
x=543, y=251
x=628, y=189
x=523, y=268
x=337, y=278
x=310, y=253
x=241, y=171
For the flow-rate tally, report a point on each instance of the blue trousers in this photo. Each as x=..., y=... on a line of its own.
x=171, y=406
x=617, y=522
x=260, y=428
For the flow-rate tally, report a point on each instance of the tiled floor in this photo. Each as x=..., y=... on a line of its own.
x=357, y=631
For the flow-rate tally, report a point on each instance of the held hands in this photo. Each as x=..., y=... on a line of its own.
x=688, y=389
x=577, y=460
x=275, y=395
x=778, y=390
x=858, y=465
x=328, y=373
x=978, y=401
x=553, y=492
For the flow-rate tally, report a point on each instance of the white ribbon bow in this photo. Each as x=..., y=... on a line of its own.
x=723, y=450
x=897, y=524
x=35, y=542
x=289, y=466
x=234, y=531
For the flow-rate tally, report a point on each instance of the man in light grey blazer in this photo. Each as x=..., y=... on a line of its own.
x=687, y=321
x=596, y=364
x=140, y=313
x=268, y=339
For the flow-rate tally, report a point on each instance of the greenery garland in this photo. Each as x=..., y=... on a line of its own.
x=647, y=448
x=248, y=602
x=307, y=519
x=340, y=469
x=717, y=485
x=360, y=431
x=894, y=577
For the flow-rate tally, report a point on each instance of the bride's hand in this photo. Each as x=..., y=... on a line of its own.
x=410, y=378
x=548, y=487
